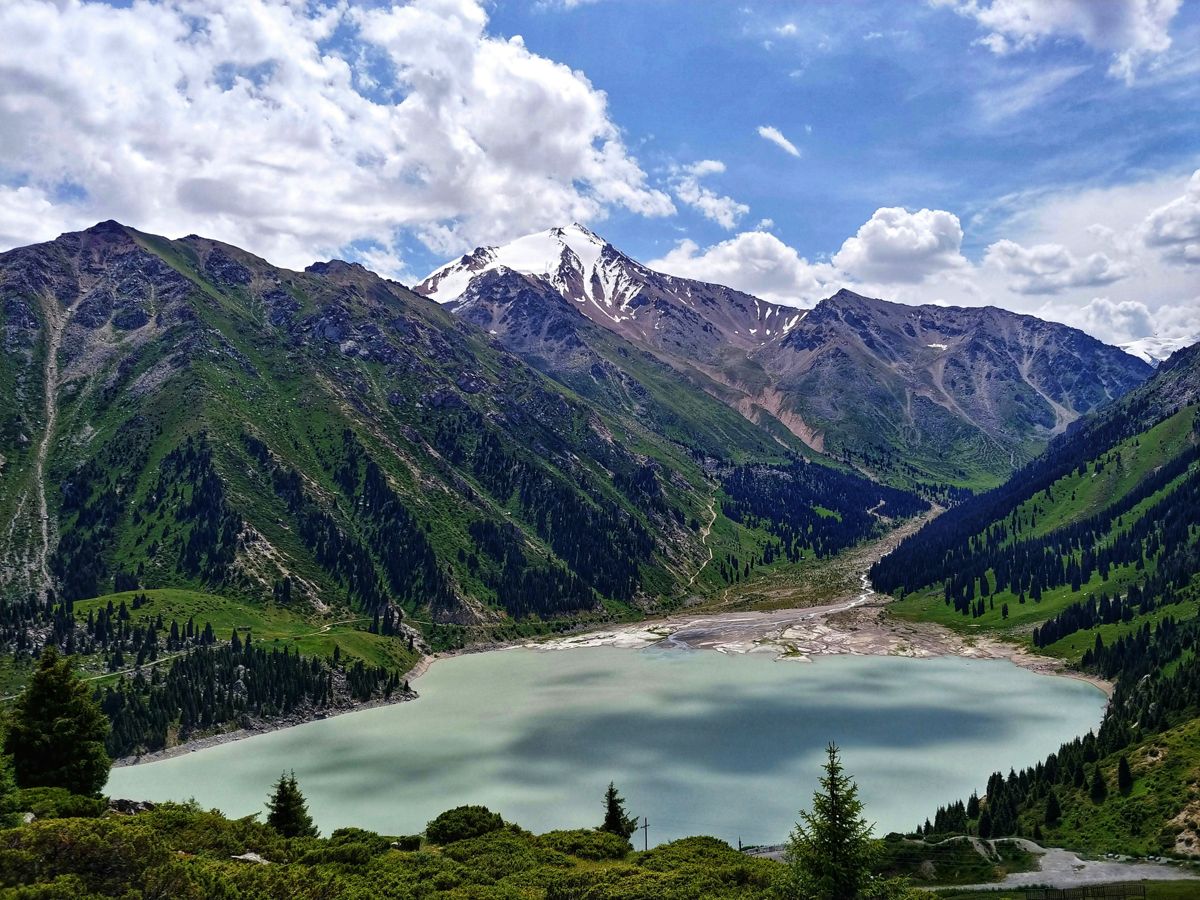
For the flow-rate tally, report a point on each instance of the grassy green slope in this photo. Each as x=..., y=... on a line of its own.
x=1095, y=486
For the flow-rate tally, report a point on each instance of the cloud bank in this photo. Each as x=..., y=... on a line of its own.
x=299, y=130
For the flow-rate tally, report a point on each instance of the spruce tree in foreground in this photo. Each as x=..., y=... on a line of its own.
x=830, y=854
x=56, y=732
x=287, y=812
x=616, y=821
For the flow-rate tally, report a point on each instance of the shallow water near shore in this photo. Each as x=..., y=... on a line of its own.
x=699, y=742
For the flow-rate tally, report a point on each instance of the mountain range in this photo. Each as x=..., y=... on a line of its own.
x=181, y=414
x=536, y=438
x=910, y=394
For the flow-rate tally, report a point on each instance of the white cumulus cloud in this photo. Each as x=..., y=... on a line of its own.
x=755, y=262
x=243, y=122
x=1052, y=268
x=775, y=136
x=1132, y=30
x=895, y=245
x=1114, y=321
x=725, y=211
x=1174, y=228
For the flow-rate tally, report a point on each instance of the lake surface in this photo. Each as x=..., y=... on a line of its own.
x=697, y=741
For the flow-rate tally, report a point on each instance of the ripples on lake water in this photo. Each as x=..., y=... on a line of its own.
x=697, y=741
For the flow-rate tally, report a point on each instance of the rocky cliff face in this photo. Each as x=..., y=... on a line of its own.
x=953, y=392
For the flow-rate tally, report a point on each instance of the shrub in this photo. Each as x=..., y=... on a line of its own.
x=351, y=855
x=57, y=803
x=106, y=854
x=586, y=843
x=461, y=823
x=377, y=843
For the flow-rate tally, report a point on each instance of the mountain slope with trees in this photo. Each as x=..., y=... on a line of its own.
x=1091, y=553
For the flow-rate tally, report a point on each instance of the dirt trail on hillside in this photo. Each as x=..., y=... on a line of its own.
x=57, y=320
x=704, y=533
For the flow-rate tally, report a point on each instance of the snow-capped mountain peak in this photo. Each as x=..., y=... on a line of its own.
x=592, y=276
x=577, y=262
x=1155, y=349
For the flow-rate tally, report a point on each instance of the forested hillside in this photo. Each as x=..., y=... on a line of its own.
x=1090, y=554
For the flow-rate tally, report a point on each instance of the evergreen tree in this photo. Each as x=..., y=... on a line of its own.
x=56, y=731
x=985, y=824
x=287, y=812
x=1124, y=776
x=616, y=821
x=830, y=853
x=1098, y=790
x=1053, y=808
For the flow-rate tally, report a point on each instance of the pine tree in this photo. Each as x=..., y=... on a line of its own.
x=1053, y=809
x=1098, y=790
x=616, y=821
x=56, y=731
x=287, y=812
x=1124, y=776
x=830, y=853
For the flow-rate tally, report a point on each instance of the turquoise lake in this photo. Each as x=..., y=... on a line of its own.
x=698, y=742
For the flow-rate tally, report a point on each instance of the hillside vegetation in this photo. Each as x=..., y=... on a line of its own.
x=1090, y=554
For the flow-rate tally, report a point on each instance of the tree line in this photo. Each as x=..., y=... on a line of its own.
x=807, y=506
x=935, y=553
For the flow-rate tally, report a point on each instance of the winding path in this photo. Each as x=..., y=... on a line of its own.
x=704, y=533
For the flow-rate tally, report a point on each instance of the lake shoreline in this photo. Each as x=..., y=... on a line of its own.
x=858, y=626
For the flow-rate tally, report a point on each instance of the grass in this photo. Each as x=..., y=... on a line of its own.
x=930, y=605
x=954, y=861
x=1079, y=495
x=1073, y=646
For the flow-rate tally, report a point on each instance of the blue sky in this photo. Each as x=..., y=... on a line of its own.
x=891, y=104
x=1031, y=154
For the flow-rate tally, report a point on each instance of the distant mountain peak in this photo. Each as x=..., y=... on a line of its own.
x=572, y=258
x=108, y=226
x=333, y=266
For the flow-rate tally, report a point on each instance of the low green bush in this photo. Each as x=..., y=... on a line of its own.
x=461, y=823
x=587, y=843
x=58, y=803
